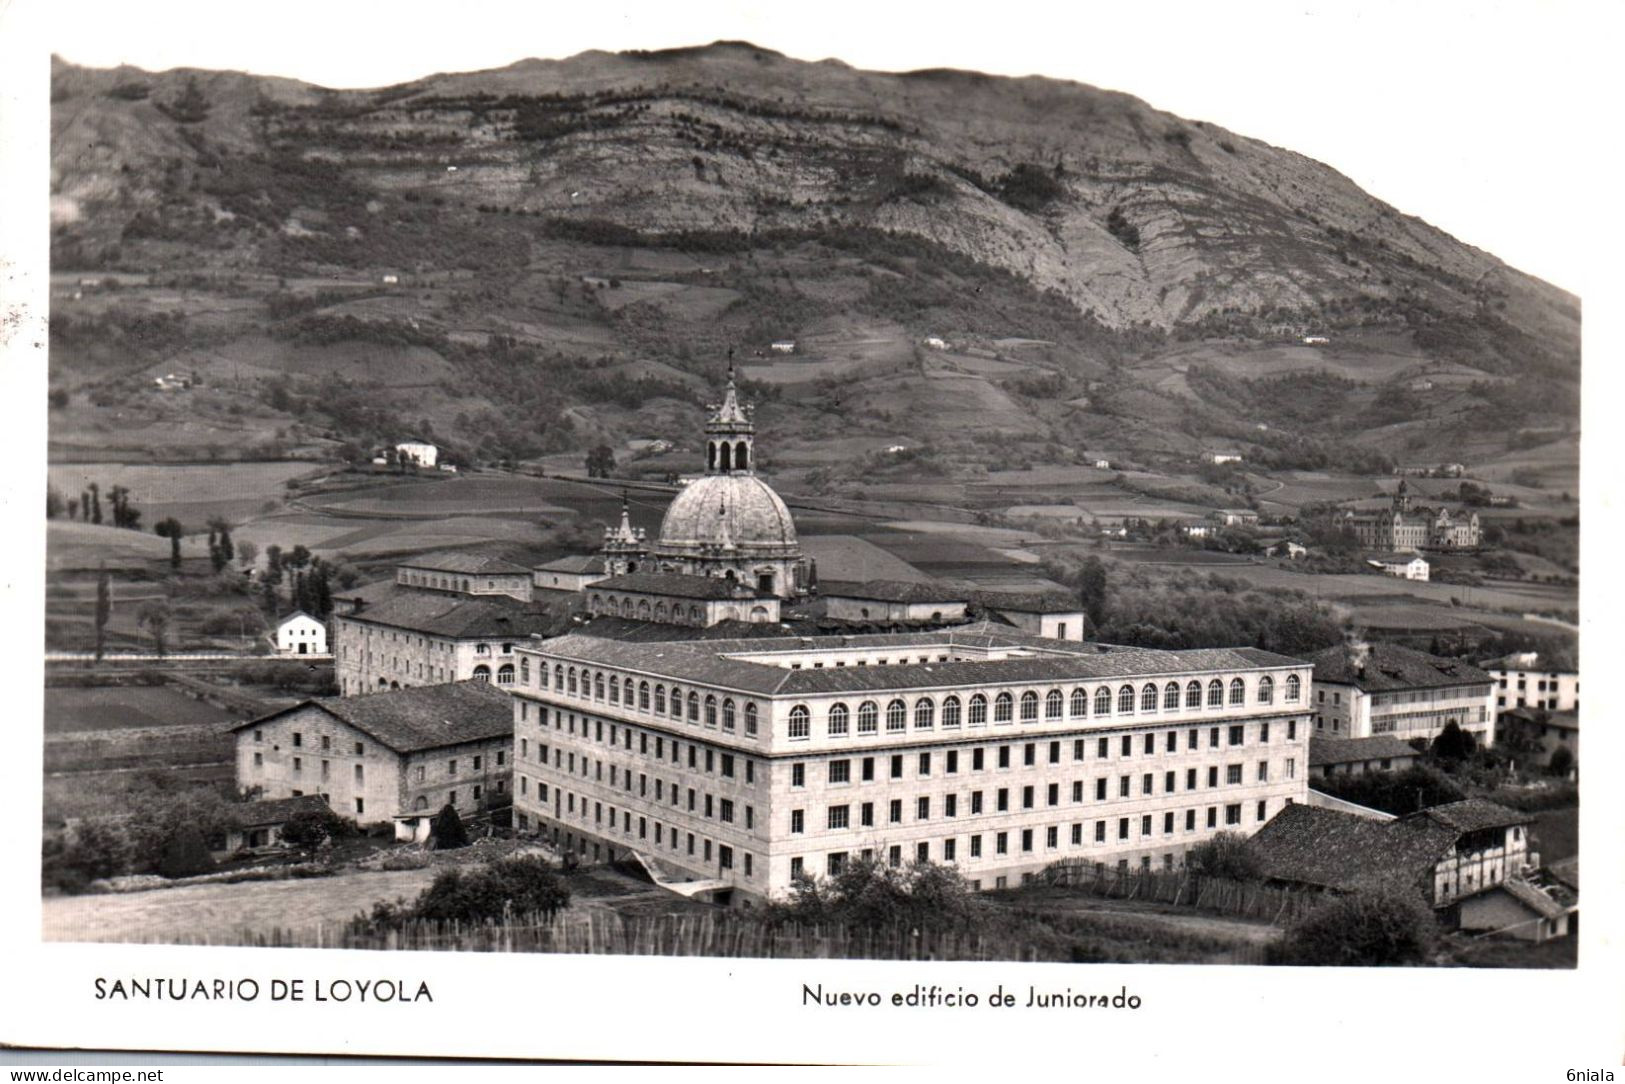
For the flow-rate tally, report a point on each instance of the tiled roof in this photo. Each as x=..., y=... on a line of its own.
x=889, y=591
x=575, y=565
x=1327, y=848
x=1471, y=814
x=1389, y=667
x=671, y=584
x=1563, y=720
x=1533, y=898
x=708, y=662
x=467, y=564
x=1354, y=750
x=285, y=618
x=275, y=810
x=425, y=717
x=1028, y=602
x=459, y=617
x=1396, y=558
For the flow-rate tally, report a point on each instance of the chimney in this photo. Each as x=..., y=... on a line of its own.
x=1359, y=652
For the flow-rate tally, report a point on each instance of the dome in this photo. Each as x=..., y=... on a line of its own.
x=728, y=510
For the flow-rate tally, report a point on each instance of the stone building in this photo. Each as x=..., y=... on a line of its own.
x=465, y=574
x=1405, y=529
x=416, y=638
x=1366, y=689
x=301, y=634
x=750, y=763
x=376, y=757
x=670, y=598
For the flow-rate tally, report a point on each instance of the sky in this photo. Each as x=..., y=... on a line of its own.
x=1471, y=115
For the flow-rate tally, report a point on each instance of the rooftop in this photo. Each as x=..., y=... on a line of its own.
x=459, y=617
x=1027, y=658
x=1028, y=602
x=575, y=565
x=1387, y=667
x=425, y=717
x=1563, y=720
x=889, y=591
x=1396, y=558
x=1471, y=814
x=467, y=564
x=276, y=810
x=1354, y=750
x=1330, y=849
x=672, y=584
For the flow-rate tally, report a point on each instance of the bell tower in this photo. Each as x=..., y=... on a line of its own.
x=730, y=435
x=625, y=549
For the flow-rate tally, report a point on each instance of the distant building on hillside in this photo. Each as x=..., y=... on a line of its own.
x=1220, y=458
x=1407, y=566
x=936, y=344
x=301, y=634
x=1361, y=690
x=1521, y=681
x=1402, y=528
x=784, y=346
x=1102, y=464
x=1316, y=340
x=421, y=452
x=1235, y=517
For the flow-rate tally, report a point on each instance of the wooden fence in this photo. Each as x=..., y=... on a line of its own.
x=1182, y=888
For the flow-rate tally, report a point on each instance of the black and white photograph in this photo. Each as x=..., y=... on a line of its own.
x=1030, y=488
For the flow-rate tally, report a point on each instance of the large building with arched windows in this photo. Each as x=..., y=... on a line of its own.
x=746, y=764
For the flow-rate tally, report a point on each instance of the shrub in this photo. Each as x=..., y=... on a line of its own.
x=185, y=853
x=922, y=896
x=522, y=885
x=1453, y=744
x=1399, y=793
x=447, y=831
x=313, y=827
x=1225, y=855
x=1365, y=929
x=1562, y=761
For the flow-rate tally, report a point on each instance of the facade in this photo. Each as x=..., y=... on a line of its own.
x=1521, y=682
x=301, y=634
x=465, y=574
x=1356, y=756
x=1235, y=517
x=728, y=523
x=417, y=638
x=1547, y=731
x=1404, y=529
x=1363, y=690
x=751, y=763
x=1520, y=909
x=421, y=452
x=894, y=601
x=671, y=599
x=259, y=823
x=569, y=573
x=371, y=758
x=1407, y=566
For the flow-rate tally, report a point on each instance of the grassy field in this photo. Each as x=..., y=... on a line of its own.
x=189, y=492
x=1556, y=835
x=122, y=707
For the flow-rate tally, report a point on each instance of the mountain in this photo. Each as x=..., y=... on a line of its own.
x=653, y=210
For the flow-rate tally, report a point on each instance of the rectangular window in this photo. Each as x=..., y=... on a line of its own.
x=1055, y=752
x=1212, y=816
x=1292, y=767
x=1077, y=749
x=1054, y=794
x=976, y=759
x=1232, y=774
x=1148, y=783
x=1004, y=756
x=1150, y=744
x=360, y=805
x=798, y=821
x=1191, y=741
x=1173, y=741
x=1232, y=814
x=1263, y=733
x=894, y=811
x=1002, y=800
x=1262, y=807
x=925, y=763
x=1169, y=782
x=726, y=810
x=839, y=816
x=298, y=739
x=897, y=767
x=1123, y=784
x=1026, y=840
x=728, y=765
x=894, y=856
x=1238, y=735
x=1263, y=771
x=1168, y=822
x=1027, y=754
x=953, y=761
x=1145, y=825
x=868, y=769
x=1077, y=835
x=1213, y=738
x=866, y=814
x=976, y=846
x=1102, y=748
x=1128, y=745
x=923, y=808
x=798, y=775
x=1100, y=831
x=1001, y=843
x=1100, y=789
x=1077, y=790
x=1026, y=797
x=1213, y=775
x=796, y=873
x=840, y=771
x=948, y=850
x=1122, y=828
x=1190, y=820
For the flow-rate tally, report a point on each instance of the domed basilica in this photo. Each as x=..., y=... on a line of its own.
x=727, y=524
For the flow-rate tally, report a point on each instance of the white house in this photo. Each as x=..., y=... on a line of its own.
x=1407, y=566
x=936, y=344
x=421, y=452
x=301, y=634
x=785, y=346
x=1217, y=458
x=1103, y=464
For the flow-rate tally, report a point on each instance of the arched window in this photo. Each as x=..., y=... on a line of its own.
x=1002, y=705
x=1266, y=690
x=838, y=720
x=695, y=613
x=694, y=707
x=978, y=710
x=1238, y=691
x=482, y=673
x=643, y=696
x=597, y=602
x=1148, y=697
x=728, y=714
x=420, y=802
x=598, y=686
x=628, y=608
x=1029, y=706
x=1103, y=701
x=614, y=689
x=1193, y=695
x=660, y=700
x=1054, y=703
x=1125, y=700
x=572, y=681
x=558, y=678
x=868, y=717
x=950, y=712
x=1215, y=693
x=1080, y=703
x=524, y=671
x=727, y=456
x=660, y=612
x=710, y=710
x=1170, y=696
x=505, y=674
x=643, y=609
x=896, y=715
x=676, y=702
x=741, y=457
x=1292, y=687
x=925, y=713
x=750, y=719
x=800, y=721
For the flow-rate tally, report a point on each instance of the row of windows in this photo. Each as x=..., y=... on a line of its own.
x=1030, y=708
x=648, y=697
x=613, y=734
x=635, y=826
x=840, y=816
x=298, y=739
x=700, y=803
x=1026, y=839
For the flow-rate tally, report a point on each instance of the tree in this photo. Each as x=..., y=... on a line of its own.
x=104, y=609
x=311, y=828
x=171, y=529
x=600, y=461
x=191, y=106
x=447, y=831
x=185, y=853
x=1366, y=929
x=273, y=564
x=93, y=501
x=154, y=617
x=1092, y=590
x=1226, y=855
x=522, y=885
x=1453, y=744
x=247, y=551
x=922, y=896
x=1562, y=762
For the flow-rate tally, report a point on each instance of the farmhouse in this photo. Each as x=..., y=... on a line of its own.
x=416, y=450
x=1235, y=517
x=374, y=757
x=1366, y=689
x=784, y=346
x=466, y=574
x=752, y=763
x=416, y=638
x=259, y=823
x=1220, y=458
x=301, y=634
x=1443, y=854
x=1407, y=566
x=1356, y=756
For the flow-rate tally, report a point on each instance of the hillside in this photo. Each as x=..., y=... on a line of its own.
x=572, y=242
